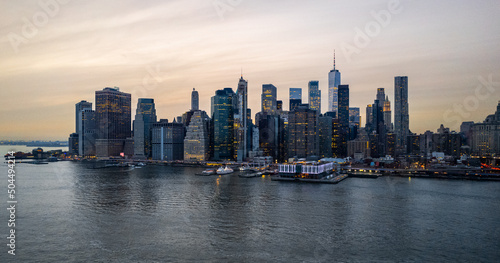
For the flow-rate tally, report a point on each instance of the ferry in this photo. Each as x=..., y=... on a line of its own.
x=224, y=170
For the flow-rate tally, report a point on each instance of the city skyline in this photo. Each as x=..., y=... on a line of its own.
x=162, y=50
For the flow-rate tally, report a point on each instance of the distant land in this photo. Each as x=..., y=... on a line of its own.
x=36, y=143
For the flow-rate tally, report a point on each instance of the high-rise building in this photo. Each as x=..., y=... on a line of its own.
x=269, y=102
x=369, y=117
x=271, y=132
x=377, y=131
x=354, y=122
x=354, y=118
x=145, y=117
x=333, y=84
x=78, y=108
x=303, y=139
x=359, y=148
x=325, y=132
x=73, y=144
x=401, y=113
x=314, y=96
x=113, y=118
x=195, y=100
x=387, y=114
x=223, y=124
x=466, y=131
x=295, y=98
x=196, y=142
x=167, y=141
x=381, y=95
x=343, y=117
x=84, y=124
x=241, y=139
x=296, y=93
x=279, y=105
x=87, y=133
x=485, y=136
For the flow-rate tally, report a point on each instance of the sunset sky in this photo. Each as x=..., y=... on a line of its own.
x=54, y=55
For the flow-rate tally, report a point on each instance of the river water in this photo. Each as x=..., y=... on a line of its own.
x=69, y=213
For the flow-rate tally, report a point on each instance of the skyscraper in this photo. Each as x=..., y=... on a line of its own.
x=378, y=132
x=303, y=133
x=196, y=142
x=222, y=124
x=333, y=84
x=325, y=132
x=241, y=121
x=369, y=117
x=279, y=105
x=195, y=100
x=87, y=132
x=78, y=108
x=113, y=117
x=314, y=96
x=84, y=124
x=295, y=98
x=387, y=114
x=271, y=135
x=381, y=95
x=401, y=113
x=269, y=102
x=167, y=141
x=343, y=117
x=354, y=118
x=145, y=117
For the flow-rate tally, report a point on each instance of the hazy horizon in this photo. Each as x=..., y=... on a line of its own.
x=57, y=54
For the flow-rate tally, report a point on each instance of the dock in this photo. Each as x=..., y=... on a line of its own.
x=324, y=180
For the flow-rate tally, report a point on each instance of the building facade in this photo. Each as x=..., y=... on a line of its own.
x=196, y=142
x=314, y=96
x=222, y=128
x=113, y=118
x=485, y=136
x=195, y=100
x=87, y=133
x=343, y=118
x=387, y=114
x=401, y=113
x=303, y=137
x=167, y=141
x=241, y=128
x=145, y=117
x=295, y=98
x=268, y=98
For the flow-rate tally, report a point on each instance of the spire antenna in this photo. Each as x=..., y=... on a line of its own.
x=334, y=59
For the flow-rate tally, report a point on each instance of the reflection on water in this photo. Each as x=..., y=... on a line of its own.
x=156, y=213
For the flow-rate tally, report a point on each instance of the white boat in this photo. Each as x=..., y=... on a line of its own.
x=208, y=172
x=245, y=168
x=224, y=170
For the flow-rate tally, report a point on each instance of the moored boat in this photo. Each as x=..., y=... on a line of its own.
x=245, y=168
x=208, y=172
x=224, y=170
